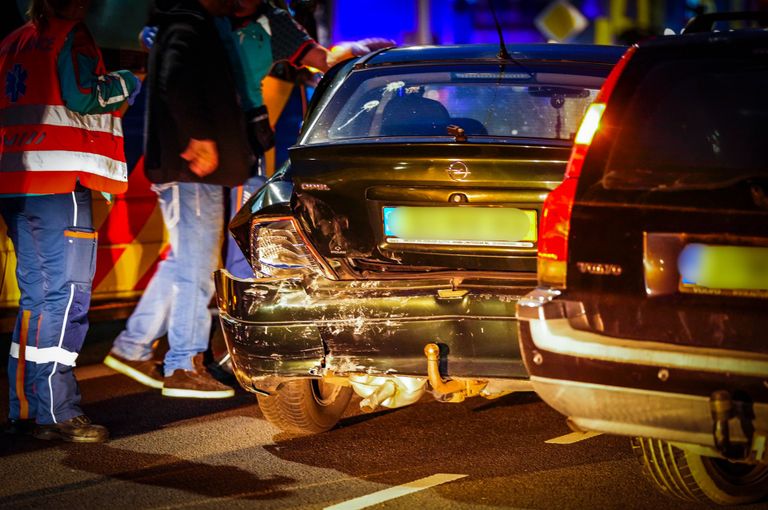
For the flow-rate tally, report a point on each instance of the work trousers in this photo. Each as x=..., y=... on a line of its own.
x=55, y=247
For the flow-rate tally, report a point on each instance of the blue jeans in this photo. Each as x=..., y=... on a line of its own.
x=176, y=300
x=55, y=247
x=235, y=262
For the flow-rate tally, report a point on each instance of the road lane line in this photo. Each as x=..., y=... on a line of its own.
x=573, y=437
x=395, y=492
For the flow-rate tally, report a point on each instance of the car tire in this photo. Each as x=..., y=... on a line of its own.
x=692, y=477
x=305, y=406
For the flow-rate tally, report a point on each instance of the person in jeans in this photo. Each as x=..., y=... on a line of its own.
x=196, y=144
x=61, y=138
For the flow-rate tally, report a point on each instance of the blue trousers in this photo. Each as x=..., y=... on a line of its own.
x=176, y=300
x=55, y=247
x=235, y=262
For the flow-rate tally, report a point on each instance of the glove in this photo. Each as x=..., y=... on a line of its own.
x=136, y=89
x=370, y=44
x=147, y=37
x=359, y=48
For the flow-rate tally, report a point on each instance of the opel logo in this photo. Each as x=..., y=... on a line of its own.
x=458, y=171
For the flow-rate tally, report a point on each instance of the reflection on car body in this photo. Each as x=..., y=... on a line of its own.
x=391, y=252
x=650, y=318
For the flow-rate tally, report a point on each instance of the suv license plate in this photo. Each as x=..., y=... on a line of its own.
x=724, y=270
x=507, y=227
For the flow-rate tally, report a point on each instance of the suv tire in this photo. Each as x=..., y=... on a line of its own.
x=305, y=406
x=692, y=477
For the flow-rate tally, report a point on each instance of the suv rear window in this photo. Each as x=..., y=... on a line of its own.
x=485, y=102
x=695, y=122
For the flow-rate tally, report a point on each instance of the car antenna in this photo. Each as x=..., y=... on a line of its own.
x=503, y=53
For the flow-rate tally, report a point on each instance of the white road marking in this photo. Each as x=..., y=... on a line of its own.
x=395, y=492
x=573, y=437
x=93, y=372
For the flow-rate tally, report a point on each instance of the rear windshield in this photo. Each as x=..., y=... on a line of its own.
x=486, y=103
x=694, y=123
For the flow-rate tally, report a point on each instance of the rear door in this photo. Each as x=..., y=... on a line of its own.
x=669, y=231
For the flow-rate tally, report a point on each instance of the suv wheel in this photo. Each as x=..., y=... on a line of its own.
x=692, y=477
x=305, y=406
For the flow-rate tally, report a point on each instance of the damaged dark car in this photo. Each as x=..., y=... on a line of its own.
x=390, y=253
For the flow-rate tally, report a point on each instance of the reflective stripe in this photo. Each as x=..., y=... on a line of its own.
x=40, y=114
x=74, y=202
x=114, y=99
x=45, y=355
x=65, y=161
x=558, y=336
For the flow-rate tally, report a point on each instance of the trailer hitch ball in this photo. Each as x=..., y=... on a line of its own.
x=452, y=390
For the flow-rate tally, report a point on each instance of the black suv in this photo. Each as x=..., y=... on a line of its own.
x=651, y=319
x=391, y=253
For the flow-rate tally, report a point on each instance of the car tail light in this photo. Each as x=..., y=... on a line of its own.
x=278, y=250
x=556, y=216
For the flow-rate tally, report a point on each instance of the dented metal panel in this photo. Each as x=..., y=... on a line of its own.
x=288, y=328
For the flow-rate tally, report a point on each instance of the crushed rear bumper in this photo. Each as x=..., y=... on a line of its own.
x=276, y=328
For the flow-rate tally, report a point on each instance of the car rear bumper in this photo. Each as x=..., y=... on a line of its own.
x=634, y=387
x=278, y=328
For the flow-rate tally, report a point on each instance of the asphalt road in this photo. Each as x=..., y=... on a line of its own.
x=186, y=453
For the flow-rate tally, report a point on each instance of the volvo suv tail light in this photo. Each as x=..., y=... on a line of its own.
x=552, y=263
x=279, y=250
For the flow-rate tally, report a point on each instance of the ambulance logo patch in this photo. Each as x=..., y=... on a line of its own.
x=16, y=83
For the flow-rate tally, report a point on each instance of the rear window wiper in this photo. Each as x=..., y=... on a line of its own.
x=457, y=132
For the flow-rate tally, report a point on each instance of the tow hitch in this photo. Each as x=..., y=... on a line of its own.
x=452, y=390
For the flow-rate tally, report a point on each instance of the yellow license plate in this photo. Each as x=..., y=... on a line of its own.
x=462, y=226
x=722, y=269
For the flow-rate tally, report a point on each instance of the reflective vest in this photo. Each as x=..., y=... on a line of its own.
x=44, y=146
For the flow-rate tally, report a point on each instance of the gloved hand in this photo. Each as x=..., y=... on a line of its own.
x=147, y=37
x=359, y=48
x=136, y=89
x=371, y=44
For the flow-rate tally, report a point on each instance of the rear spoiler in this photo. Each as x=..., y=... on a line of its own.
x=706, y=22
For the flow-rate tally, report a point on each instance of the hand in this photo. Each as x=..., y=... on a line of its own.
x=363, y=46
x=372, y=44
x=136, y=89
x=349, y=49
x=147, y=37
x=202, y=156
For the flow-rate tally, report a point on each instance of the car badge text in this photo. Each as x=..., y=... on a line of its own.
x=598, y=268
x=315, y=186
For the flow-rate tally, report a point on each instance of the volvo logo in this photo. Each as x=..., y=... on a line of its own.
x=458, y=171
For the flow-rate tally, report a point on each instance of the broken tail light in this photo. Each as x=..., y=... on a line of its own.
x=278, y=250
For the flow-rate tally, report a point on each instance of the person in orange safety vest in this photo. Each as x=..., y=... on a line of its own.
x=60, y=137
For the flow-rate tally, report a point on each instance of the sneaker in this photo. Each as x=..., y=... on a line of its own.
x=76, y=430
x=19, y=427
x=197, y=383
x=146, y=372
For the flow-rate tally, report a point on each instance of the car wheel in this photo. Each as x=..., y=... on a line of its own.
x=692, y=477
x=305, y=406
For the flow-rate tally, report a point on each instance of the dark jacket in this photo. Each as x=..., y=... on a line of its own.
x=192, y=94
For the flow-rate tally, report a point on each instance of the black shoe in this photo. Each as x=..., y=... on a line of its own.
x=76, y=430
x=19, y=427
